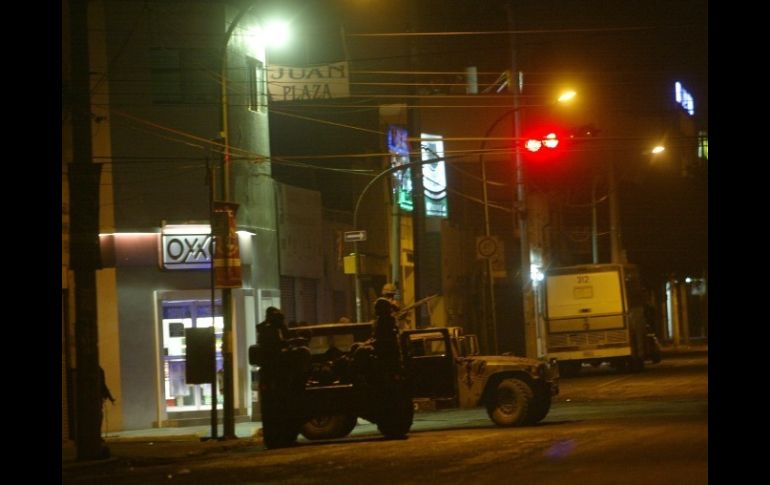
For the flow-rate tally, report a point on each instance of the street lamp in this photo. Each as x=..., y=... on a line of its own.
x=357, y=258
x=272, y=32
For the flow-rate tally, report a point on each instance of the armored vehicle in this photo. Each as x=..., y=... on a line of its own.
x=446, y=371
x=331, y=378
x=442, y=369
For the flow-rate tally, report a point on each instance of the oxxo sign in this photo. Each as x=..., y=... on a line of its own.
x=191, y=250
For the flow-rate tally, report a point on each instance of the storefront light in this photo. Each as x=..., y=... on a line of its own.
x=187, y=229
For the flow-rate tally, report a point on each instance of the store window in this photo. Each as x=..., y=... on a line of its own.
x=179, y=315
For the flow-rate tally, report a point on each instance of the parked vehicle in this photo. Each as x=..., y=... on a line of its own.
x=595, y=313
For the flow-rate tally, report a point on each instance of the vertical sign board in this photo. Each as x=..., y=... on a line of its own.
x=398, y=147
x=227, y=258
x=199, y=355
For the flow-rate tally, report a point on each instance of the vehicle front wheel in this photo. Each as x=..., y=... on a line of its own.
x=541, y=404
x=510, y=403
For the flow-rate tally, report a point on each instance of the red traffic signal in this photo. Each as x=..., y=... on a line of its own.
x=549, y=141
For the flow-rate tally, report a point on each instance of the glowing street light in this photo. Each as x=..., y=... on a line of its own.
x=567, y=96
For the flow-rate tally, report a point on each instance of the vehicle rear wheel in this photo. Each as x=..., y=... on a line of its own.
x=510, y=403
x=328, y=426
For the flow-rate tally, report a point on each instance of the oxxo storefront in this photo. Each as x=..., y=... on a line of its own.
x=163, y=287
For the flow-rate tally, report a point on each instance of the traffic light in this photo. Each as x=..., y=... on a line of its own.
x=544, y=143
x=548, y=142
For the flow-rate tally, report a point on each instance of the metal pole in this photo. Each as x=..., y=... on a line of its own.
x=228, y=431
x=356, y=271
x=491, y=277
x=395, y=245
x=594, y=223
x=615, y=256
x=212, y=187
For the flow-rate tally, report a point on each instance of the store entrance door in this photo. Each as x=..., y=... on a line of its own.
x=177, y=316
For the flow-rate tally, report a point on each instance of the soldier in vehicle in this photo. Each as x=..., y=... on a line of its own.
x=389, y=293
x=402, y=318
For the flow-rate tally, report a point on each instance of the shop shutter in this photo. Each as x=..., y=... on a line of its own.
x=309, y=300
x=288, y=306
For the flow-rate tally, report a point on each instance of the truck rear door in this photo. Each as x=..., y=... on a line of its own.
x=584, y=301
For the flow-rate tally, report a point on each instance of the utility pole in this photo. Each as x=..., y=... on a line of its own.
x=527, y=295
x=85, y=258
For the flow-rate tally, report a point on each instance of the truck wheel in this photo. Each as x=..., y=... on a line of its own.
x=328, y=426
x=510, y=403
x=541, y=404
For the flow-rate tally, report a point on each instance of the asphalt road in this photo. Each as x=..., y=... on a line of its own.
x=604, y=427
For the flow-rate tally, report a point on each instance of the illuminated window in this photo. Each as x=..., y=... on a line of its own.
x=703, y=145
x=257, y=85
x=684, y=98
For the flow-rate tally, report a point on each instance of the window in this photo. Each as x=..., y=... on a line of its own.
x=703, y=145
x=257, y=85
x=179, y=315
x=183, y=76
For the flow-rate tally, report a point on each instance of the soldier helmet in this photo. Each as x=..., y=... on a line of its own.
x=389, y=289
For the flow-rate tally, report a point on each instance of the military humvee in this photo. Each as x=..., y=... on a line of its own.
x=447, y=372
x=442, y=369
x=331, y=377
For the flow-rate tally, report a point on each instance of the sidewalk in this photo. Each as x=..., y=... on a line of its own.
x=694, y=346
x=164, y=445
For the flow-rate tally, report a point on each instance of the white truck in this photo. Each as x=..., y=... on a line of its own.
x=595, y=313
